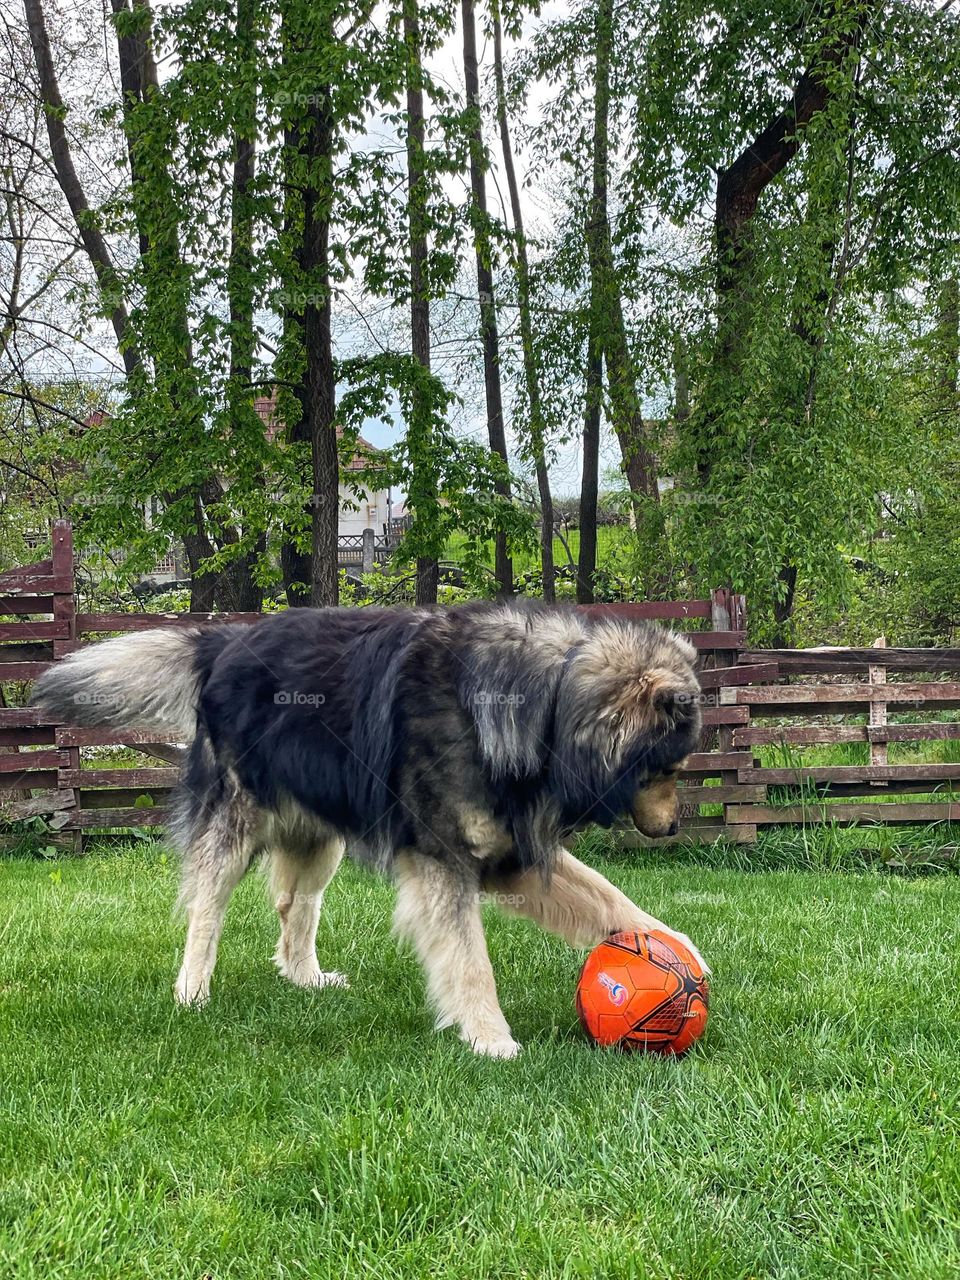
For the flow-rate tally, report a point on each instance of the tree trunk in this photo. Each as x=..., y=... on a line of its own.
x=161, y=261
x=590, y=474
x=739, y=189
x=428, y=570
x=948, y=342
x=530, y=371
x=196, y=543
x=241, y=263
x=318, y=344
x=488, y=308
x=320, y=381
x=639, y=464
x=816, y=288
x=309, y=144
x=681, y=382
x=68, y=179
x=783, y=606
x=238, y=589
x=296, y=564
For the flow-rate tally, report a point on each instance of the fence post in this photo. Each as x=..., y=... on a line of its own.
x=368, y=550
x=738, y=611
x=65, y=600
x=728, y=612
x=878, y=711
x=65, y=611
x=720, y=615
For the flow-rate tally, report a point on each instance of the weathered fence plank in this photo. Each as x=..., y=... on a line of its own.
x=26, y=604
x=843, y=699
x=851, y=773
x=665, y=610
x=828, y=734
x=20, y=671
x=108, y=622
x=121, y=797
x=128, y=778
x=33, y=760
x=702, y=830
x=42, y=736
x=17, y=654
x=843, y=815
x=41, y=805
x=736, y=793
x=17, y=717
x=70, y=737
x=36, y=779
x=712, y=716
x=33, y=584
x=708, y=762
x=25, y=631
x=84, y=818
x=725, y=677
x=842, y=660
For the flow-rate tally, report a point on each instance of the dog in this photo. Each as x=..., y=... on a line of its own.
x=455, y=748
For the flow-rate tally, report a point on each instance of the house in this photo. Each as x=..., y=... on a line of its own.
x=368, y=509
x=372, y=509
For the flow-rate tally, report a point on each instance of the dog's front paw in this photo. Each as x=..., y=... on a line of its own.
x=650, y=924
x=325, y=979
x=496, y=1047
x=685, y=942
x=307, y=973
x=191, y=991
x=489, y=1036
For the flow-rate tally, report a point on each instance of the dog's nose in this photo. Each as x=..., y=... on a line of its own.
x=674, y=827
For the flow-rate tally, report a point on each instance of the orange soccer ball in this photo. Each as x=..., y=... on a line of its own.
x=643, y=991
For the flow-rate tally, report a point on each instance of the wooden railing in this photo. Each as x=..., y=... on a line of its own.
x=812, y=712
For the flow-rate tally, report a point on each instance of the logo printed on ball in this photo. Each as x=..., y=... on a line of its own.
x=616, y=990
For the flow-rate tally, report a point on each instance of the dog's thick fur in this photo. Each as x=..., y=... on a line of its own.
x=456, y=748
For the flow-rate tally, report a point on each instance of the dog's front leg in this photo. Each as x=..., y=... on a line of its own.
x=438, y=912
x=578, y=903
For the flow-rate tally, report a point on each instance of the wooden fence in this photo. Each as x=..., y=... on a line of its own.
x=878, y=697
x=782, y=704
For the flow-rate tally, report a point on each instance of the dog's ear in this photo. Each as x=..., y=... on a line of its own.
x=658, y=699
x=671, y=700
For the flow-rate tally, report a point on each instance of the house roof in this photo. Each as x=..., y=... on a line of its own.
x=266, y=407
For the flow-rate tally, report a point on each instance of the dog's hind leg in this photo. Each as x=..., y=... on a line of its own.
x=576, y=902
x=438, y=912
x=214, y=862
x=297, y=883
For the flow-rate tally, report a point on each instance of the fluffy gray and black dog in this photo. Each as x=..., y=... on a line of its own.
x=455, y=748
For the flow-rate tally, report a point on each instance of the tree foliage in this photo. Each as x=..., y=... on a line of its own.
x=710, y=264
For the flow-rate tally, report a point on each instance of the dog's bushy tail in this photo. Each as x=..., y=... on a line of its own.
x=148, y=680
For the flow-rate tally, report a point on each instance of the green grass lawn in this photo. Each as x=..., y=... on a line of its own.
x=816, y=1131
x=609, y=538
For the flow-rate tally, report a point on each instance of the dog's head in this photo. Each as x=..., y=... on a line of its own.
x=628, y=714
x=655, y=809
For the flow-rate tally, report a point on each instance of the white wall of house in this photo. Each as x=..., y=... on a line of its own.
x=370, y=511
